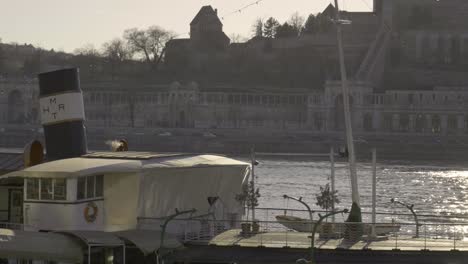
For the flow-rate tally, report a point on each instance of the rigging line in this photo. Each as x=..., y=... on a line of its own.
x=241, y=9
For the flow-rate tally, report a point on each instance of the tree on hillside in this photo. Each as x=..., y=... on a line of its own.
x=270, y=27
x=257, y=28
x=297, y=22
x=32, y=65
x=149, y=43
x=310, y=26
x=324, y=23
x=87, y=59
x=236, y=38
x=116, y=52
x=87, y=50
x=2, y=61
x=286, y=31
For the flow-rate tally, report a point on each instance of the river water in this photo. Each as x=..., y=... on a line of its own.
x=433, y=189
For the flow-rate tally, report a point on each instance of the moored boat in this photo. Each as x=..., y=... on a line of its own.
x=303, y=225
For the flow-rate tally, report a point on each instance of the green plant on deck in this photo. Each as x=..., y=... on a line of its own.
x=249, y=196
x=327, y=198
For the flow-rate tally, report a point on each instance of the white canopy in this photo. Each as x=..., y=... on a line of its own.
x=39, y=246
x=75, y=167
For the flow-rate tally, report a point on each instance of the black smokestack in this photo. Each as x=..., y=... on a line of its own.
x=62, y=114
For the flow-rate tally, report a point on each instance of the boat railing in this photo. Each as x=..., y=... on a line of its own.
x=392, y=235
x=269, y=214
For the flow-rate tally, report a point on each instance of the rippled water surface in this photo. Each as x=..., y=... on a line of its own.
x=432, y=189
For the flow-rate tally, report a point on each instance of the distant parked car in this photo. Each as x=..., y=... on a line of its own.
x=209, y=135
x=165, y=134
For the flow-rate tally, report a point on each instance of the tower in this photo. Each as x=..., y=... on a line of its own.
x=206, y=30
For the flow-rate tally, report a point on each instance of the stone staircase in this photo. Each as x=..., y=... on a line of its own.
x=372, y=67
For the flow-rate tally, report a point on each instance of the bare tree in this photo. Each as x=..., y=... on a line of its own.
x=149, y=43
x=236, y=38
x=257, y=28
x=296, y=21
x=116, y=52
x=87, y=50
x=88, y=60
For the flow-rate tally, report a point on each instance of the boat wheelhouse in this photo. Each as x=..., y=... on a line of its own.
x=111, y=191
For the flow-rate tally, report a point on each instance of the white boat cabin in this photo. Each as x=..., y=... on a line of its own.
x=111, y=191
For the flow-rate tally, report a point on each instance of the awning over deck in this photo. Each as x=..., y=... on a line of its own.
x=149, y=241
x=39, y=246
x=96, y=238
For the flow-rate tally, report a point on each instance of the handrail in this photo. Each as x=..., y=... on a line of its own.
x=449, y=236
x=365, y=212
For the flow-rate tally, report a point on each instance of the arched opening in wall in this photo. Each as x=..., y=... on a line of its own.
x=436, y=124
x=466, y=124
x=404, y=122
x=339, y=112
x=455, y=48
x=181, y=121
x=426, y=54
x=318, y=121
x=419, y=123
x=368, y=122
x=388, y=122
x=15, y=108
x=452, y=126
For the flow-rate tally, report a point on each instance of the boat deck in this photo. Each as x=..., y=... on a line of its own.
x=303, y=240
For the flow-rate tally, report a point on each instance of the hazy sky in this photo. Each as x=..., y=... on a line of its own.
x=69, y=24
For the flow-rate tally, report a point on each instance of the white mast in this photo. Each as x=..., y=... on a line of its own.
x=347, y=112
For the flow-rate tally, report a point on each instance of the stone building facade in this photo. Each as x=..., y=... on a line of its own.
x=441, y=111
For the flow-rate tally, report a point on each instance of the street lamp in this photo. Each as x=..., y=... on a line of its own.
x=314, y=230
x=164, y=225
x=409, y=207
x=302, y=202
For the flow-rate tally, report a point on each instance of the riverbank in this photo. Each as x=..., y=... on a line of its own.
x=401, y=147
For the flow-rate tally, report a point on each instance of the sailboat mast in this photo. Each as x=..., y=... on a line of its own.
x=347, y=112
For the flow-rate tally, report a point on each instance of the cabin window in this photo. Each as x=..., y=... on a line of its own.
x=46, y=189
x=32, y=189
x=81, y=188
x=60, y=189
x=99, y=185
x=90, y=187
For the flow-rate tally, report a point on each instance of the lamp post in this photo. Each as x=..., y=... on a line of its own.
x=411, y=208
x=164, y=225
x=302, y=202
x=314, y=230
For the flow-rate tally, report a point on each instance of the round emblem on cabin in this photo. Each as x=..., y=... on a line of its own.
x=90, y=212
